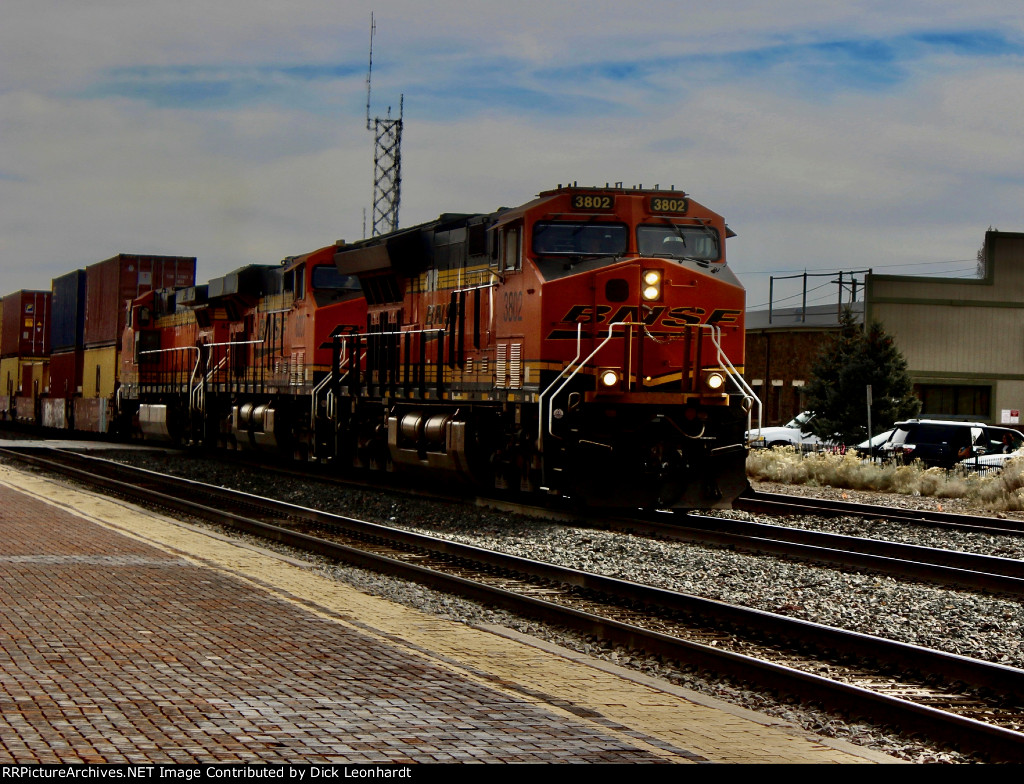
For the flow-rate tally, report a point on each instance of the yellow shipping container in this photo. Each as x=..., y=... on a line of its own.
x=10, y=376
x=14, y=375
x=40, y=376
x=99, y=372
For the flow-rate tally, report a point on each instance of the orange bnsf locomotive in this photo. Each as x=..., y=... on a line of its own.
x=588, y=344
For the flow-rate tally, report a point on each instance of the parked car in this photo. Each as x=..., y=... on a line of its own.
x=944, y=443
x=1000, y=446
x=793, y=433
x=873, y=446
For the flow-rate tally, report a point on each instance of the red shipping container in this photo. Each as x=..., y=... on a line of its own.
x=26, y=324
x=66, y=374
x=110, y=285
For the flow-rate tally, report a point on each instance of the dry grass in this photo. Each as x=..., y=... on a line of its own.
x=1002, y=491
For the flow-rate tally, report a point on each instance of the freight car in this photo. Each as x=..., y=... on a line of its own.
x=588, y=343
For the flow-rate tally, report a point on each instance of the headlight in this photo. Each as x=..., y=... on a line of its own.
x=609, y=377
x=715, y=381
x=652, y=285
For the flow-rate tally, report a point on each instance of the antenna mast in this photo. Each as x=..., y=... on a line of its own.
x=387, y=158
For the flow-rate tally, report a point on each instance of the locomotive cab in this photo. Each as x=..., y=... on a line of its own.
x=641, y=401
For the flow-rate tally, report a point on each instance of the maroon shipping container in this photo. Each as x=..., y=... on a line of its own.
x=66, y=373
x=111, y=284
x=26, y=324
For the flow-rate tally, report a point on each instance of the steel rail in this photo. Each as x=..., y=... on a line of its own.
x=772, y=503
x=952, y=568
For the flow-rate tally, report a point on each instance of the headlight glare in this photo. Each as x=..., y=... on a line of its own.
x=714, y=380
x=652, y=285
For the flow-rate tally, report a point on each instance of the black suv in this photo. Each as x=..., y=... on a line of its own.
x=937, y=442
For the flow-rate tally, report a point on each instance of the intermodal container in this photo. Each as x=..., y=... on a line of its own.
x=66, y=373
x=67, y=327
x=10, y=376
x=35, y=376
x=99, y=371
x=110, y=285
x=26, y=324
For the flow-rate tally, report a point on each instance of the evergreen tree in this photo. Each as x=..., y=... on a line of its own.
x=837, y=391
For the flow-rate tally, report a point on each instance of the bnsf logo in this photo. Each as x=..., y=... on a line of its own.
x=660, y=315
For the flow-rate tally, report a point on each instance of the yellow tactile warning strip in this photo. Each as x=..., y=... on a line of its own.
x=669, y=723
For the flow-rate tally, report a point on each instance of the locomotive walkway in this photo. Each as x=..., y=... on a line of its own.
x=126, y=637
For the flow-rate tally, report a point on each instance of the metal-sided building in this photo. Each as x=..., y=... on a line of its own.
x=962, y=338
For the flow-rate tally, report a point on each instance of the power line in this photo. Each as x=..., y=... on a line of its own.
x=873, y=266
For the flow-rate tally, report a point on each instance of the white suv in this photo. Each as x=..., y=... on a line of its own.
x=793, y=433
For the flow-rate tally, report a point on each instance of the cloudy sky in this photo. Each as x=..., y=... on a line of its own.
x=832, y=136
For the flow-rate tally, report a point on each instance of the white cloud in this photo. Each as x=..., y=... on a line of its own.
x=743, y=104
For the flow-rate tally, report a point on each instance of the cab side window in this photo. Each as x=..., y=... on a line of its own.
x=295, y=281
x=511, y=248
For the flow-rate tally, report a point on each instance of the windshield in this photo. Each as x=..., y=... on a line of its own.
x=329, y=278
x=800, y=419
x=579, y=239
x=672, y=241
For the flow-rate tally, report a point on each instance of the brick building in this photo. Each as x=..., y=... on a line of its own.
x=782, y=346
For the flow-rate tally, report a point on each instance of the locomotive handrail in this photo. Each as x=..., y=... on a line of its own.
x=197, y=396
x=715, y=334
x=540, y=398
x=344, y=359
x=571, y=376
x=475, y=288
x=195, y=393
x=218, y=366
x=402, y=332
x=328, y=378
x=192, y=375
x=737, y=379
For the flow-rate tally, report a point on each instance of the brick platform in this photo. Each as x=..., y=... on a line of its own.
x=127, y=638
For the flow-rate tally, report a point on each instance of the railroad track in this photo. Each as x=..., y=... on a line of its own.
x=963, y=570
x=968, y=571
x=975, y=705
x=772, y=503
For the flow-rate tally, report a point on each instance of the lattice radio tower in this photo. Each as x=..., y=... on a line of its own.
x=387, y=158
